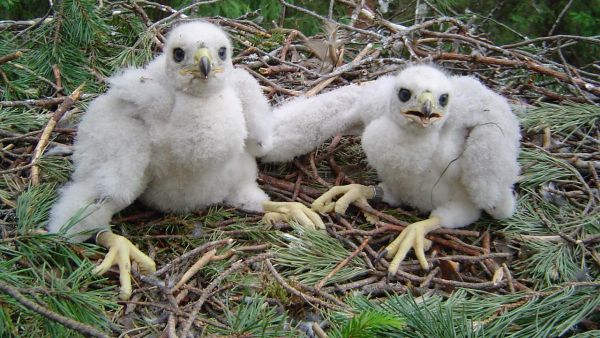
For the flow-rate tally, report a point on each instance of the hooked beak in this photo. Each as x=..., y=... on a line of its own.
x=426, y=101
x=423, y=113
x=203, y=60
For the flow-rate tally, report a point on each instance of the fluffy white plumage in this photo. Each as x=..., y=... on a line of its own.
x=451, y=160
x=303, y=123
x=178, y=142
x=179, y=134
x=460, y=164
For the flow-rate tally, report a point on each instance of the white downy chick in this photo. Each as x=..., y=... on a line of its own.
x=446, y=145
x=180, y=134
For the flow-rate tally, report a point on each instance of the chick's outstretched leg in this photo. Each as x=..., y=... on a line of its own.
x=121, y=252
x=286, y=211
x=412, y=237
x=352, y=193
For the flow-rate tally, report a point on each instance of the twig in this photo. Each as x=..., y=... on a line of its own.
x=486, y=245
x=179, y=12
x=82, y=328
x=391, y=227
x=295, y=292
x=176, y=311
x=455, y=245
x=368, y=209
x=272, y=70
x=462, y=258
x=195, y=268
x=477, y=286
x=273, y=84
x=171, y=333
x=342, y=264
x=287, y=43
x=205, y=294
x=567, y=69
x=28, y=136
x=528, y=64
x=257, y=247
x=509, y=279
x=372, y=253
x=356, y=11
x=150, y=279
x=202, y=248
x=383, y=289
x=17, y=169
x=239, y=27
x=311, y=13
x=289, y=186
x=560, y=16
x=263, y=53
x=318, y=330
x=39, y=149
x=321, y=293
x=41, y=102
x=591, y=39
x=323, y=84
x=425, y=283
x=57, y=76
x=315, y=172
x=297, y=185
x=9, y=57
x=357, y=284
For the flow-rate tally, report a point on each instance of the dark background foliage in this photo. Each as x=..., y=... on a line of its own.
x=504, y=21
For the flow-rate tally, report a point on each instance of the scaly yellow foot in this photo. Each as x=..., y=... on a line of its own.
x=286, y=211
x=412, y=237
x=352, y=193
x=120, y=252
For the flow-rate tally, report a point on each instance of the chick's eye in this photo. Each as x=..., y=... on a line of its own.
x=443, y=100
x=178, y=54
x=404, y=94
x=222, y=53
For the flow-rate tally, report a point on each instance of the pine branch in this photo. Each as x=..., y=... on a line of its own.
x=49, y=102
x=68, y=322
x=205, y=294
x=285, y=285
x=342, y=264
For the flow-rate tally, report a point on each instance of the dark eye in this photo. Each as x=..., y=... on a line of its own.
x=178, y=54
x=404, y=94
x=222, y=53
x=443, y=100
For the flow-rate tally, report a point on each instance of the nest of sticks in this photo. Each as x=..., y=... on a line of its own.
x=222, y=271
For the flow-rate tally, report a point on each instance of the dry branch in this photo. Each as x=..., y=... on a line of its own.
x=41, y=146
x=68, y=322
x=10, y=57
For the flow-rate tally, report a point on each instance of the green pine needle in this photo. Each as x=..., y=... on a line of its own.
x=367, y=324
x=33, y=207
x=564, y=118
x=311, y=256
x=255, y=317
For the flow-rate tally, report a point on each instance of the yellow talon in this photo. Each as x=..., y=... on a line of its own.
x=350, y=193
x=412, y=237
x=120, y=252
x=286, y=211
